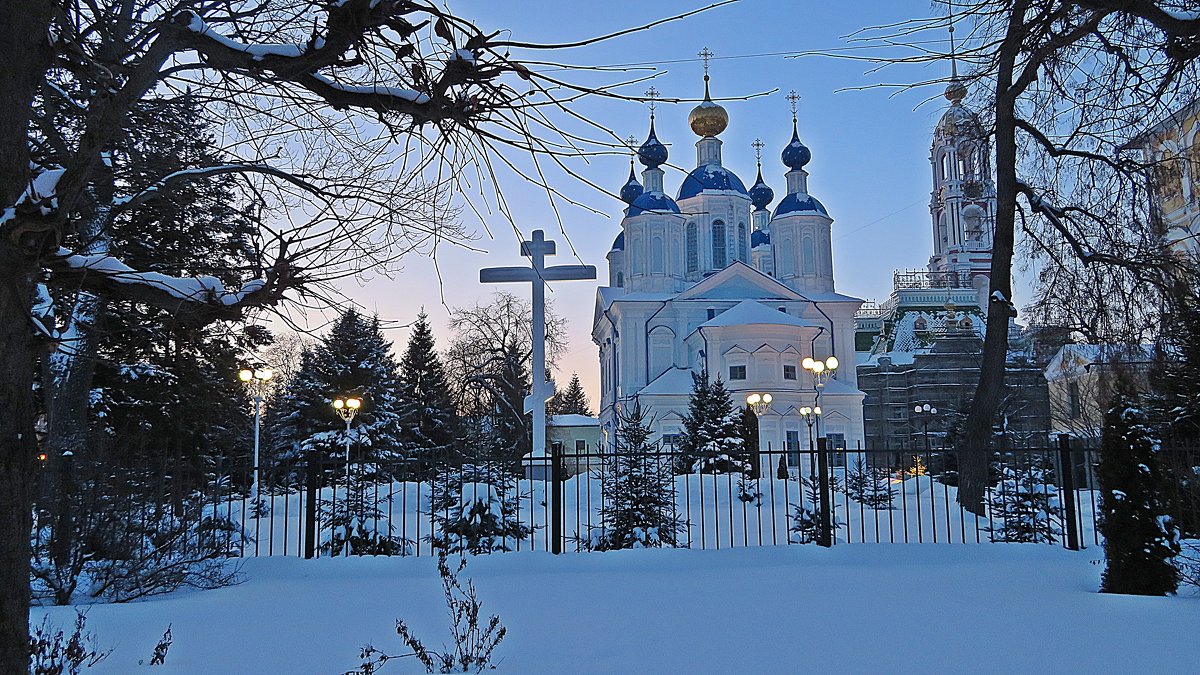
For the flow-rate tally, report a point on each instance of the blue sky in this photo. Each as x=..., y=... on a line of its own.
x=870, y=147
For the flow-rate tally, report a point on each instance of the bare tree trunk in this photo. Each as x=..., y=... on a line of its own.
x=25, y=53
x=17, y=449
x=975, y=448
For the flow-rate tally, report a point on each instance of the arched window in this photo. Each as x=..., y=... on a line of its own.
x=620, y=280
x=718, y=245
x=657, y=257
x=693, y=257
x=808, y=256
x=743, y=253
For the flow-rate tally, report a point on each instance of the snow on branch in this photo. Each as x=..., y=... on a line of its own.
x=199, y=299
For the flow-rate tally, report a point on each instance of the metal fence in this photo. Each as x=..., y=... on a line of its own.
x=313, y=507
x=556, y=503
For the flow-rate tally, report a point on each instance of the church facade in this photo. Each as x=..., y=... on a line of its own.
x=712, y=280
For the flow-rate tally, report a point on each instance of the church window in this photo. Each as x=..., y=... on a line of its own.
x=743, y=255
x=620, y=280
x=789, y=372
x=712, y=313
x=693, y=257
x=718, y=245
x=657, y=257
x=809, y=256
x=737, y=372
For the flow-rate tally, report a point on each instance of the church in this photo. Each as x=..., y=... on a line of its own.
x=713, y=280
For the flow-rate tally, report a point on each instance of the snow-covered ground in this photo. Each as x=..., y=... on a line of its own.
x=858, y=608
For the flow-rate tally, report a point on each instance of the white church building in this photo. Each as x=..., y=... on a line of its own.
x=712, y=280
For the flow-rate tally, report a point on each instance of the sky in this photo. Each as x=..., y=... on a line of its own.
x=870, y=146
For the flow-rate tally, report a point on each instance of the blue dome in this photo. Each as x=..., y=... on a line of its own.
x=796, y=154
x=799, y=203
x=652, y=153
x=632, y=189
x=619, y=242
x=761, y=194
x=759, y=238
x=651, y=202
x=710, y=177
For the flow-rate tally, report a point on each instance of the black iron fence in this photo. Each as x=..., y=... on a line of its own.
x=320, y=506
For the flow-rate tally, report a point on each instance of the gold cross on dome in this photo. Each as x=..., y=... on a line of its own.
x=758, y=146
x=705, y=54
x=652, y=94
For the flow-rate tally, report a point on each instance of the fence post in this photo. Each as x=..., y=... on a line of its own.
x=556, y=499
x=825, y=536
x=1068, y=486
x=310, y=506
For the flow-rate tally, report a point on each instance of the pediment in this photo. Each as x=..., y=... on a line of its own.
x=739, y=281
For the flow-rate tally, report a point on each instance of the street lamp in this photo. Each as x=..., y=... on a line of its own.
x=810, y=417
x=822, y=372
x=256, y=381
x=925, y=413
x=346, y=408
x=759, y=403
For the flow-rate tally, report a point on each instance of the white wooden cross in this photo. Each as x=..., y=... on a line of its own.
x=538, y=274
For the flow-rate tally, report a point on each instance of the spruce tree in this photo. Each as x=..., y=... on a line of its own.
x=429, y=427
x=1139, y=539
x=713, y=440
x=1024, y=504
x=474, y=509
x=353, y=359
x=573, y=401
x=638, y=508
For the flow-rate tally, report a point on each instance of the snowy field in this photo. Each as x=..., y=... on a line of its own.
x=784, y=609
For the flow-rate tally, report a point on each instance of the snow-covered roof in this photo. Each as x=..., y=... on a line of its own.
x=671, y=381
x=1072, y=358
x=572, y=421
x=752, y=312
x=710, y=177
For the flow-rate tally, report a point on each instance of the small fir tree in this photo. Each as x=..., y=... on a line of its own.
x=870, y=486
x=474, y=509
x=638, y=491
x=1024, y=504
x=429, y=426
x=1139, y=540
x=781, y=471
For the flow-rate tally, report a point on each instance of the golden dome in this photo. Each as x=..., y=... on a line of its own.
x=708, y=118
x=956, y=91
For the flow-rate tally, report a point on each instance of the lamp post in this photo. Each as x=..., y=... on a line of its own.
x=256, y=380
x=346, y=408
x=925, y=413
x=810, y=417
x=759, y=403
x=822, y=372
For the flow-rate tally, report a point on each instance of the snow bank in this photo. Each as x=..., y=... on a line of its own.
x=860, y=609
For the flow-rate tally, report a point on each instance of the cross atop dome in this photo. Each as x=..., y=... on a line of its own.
x=651, y=95
x=758, y=146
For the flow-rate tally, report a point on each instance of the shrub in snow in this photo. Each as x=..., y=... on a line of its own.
x=102, y=538
x=748, y=490
x=1024, y=504
x=474, y=643
x=474, y=509
x=159, y=657
x=870, y=486
x=1139, y=540
x=53, y=652
x=638, y=491
x=805, y=520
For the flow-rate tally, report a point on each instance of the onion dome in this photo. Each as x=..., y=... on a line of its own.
x=796, y=154
x=632, y=189
x=799, y=203
x=710, y=177
x=653, y=153
x=708, y=118
x=651, y=202
x=760, y=238
x=619, y=242
x=761, y=194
